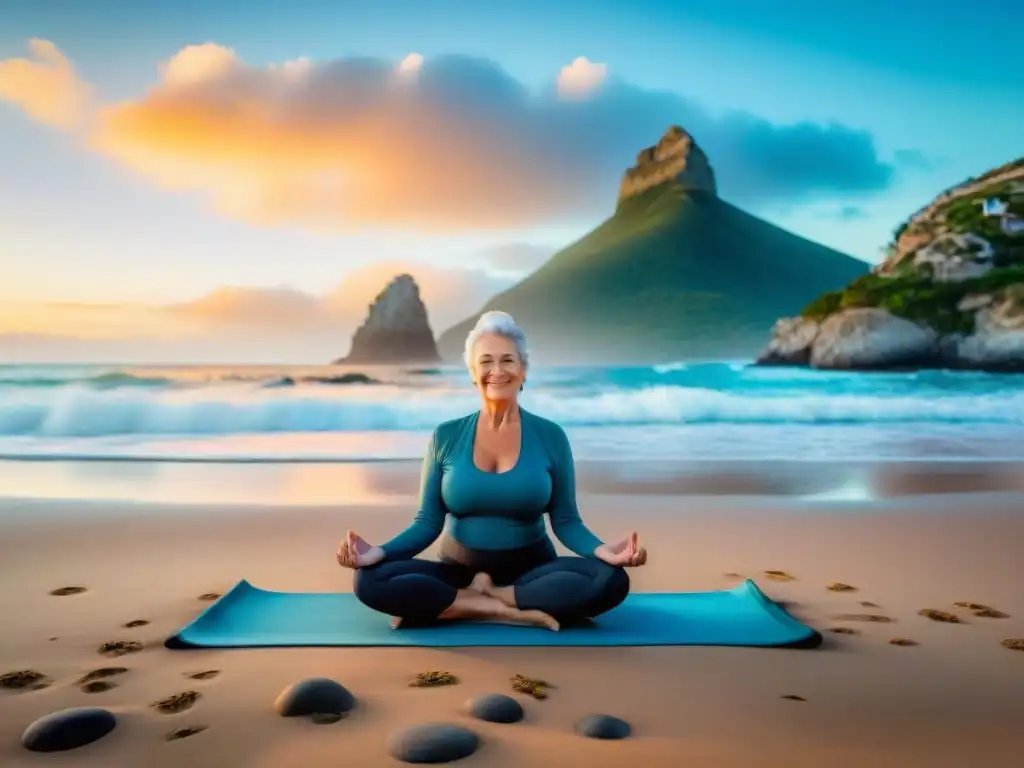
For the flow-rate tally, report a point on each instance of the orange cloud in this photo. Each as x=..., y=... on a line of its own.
x=435, y=144
x=326, y=146
x=90, y=320
x=45, y=86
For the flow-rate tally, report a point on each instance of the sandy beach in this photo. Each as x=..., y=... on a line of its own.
x=953, y=699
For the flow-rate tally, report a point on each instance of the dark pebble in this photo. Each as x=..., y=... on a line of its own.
x=603, y=727
x=314, y=696
x=432, y=743
x=68, y=729
x=495, y=708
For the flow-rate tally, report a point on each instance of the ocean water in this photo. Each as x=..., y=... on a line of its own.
x=690, y=412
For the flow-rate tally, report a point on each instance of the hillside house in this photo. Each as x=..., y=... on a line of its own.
x=1009, y=222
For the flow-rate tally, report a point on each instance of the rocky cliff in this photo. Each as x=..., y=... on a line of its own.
x=949, y=294
x=396, y=330
x=677, y=158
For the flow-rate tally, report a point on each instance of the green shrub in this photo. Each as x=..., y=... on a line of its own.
x=918, y=298
x=824, y=305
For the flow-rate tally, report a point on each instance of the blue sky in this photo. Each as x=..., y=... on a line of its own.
x=929, y=93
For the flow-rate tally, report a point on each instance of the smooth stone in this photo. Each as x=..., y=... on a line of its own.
x=314, y=695
x=432, y=743
x=495, y=708
x=603, y=727
x=68, y=729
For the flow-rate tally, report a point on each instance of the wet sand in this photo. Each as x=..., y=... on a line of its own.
x=211, y=481
x=953, y=699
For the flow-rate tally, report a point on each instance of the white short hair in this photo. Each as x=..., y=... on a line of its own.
x=498, y=324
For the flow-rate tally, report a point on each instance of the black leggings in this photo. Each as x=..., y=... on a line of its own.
x=568, y=588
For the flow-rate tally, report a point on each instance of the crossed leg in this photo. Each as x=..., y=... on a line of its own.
x=567, y=588
x=422, y=591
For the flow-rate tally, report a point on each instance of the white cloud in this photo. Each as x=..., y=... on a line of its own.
x=581, y=78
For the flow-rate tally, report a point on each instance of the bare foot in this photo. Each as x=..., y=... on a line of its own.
x=471, y=604
x=484, y=584
x=537, y=619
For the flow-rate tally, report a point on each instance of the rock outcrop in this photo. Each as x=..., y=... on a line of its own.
x=396, y=330
x=676, y=157
x=949, y=294
x=997, y=343
x=870, y=338
x=855, y=339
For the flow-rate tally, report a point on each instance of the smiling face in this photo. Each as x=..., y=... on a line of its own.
x=497, y=369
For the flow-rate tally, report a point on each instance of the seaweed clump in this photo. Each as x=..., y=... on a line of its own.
x=535, y=688
x=433, y=679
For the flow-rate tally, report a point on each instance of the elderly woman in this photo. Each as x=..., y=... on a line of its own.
x=495, y=472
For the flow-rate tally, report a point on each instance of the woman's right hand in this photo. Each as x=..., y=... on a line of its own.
x=356, y=552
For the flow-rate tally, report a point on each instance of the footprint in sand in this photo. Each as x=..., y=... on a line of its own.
x=209, y=674
x=177, y=702
x=119, y=647
x=844, y=631
x=135, y=623
x=940, y=616
x=101, y=673
x=1013, y=643
x=184, y=733
x=97, y=686
x=65, y=591
x=869, y=604
x=793, y=697
x=991, y=613
x=838, y=586
x=872, y=617
x=981, y=610
x=902, y=642
x=96, y=681
x=779, y=576
x=210, y=596
x=21, y=679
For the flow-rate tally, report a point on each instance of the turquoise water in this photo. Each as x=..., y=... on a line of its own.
x=695, y=411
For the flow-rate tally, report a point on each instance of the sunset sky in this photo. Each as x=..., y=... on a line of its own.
x=235, y=180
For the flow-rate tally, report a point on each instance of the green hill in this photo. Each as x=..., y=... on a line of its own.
x=673, y=274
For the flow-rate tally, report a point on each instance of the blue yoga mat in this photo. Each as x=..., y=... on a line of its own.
x=249, y=617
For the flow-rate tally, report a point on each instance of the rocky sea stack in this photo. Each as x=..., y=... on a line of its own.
x=675, y=273
x=396, y=330
x=949, y=294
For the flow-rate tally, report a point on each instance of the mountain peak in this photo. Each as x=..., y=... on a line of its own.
x=676, y=157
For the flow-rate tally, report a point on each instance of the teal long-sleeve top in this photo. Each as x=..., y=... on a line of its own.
x=496, y=511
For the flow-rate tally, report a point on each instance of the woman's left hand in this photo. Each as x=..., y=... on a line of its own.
x=626, y=552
